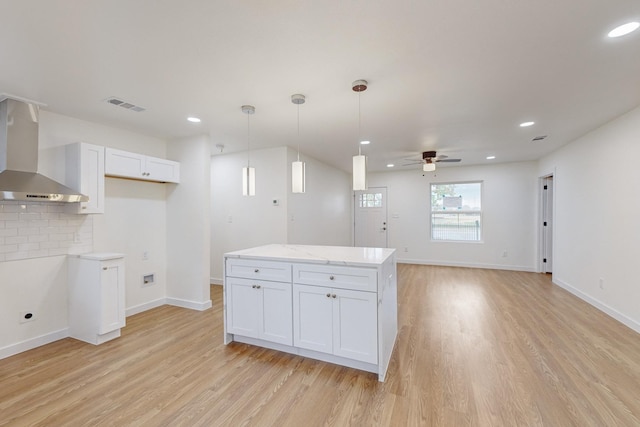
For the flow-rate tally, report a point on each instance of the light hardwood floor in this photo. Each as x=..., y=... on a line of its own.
x=475, y=347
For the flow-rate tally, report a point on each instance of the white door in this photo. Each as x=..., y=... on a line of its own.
x=370, y=222
x=242, y=307
x=547, y=224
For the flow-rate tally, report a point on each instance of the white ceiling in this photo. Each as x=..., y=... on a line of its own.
x=456, y=76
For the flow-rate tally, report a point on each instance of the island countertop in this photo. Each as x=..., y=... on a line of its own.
x=331, y=255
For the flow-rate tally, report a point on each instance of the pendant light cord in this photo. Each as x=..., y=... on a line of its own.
x=359, y=129
x=248, y=142
x=298, y=131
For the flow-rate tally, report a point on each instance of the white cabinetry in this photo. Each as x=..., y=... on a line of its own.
x=257, y=307
x=85, y=173
x=336, y=321
x=96, y=297
x=334, y=304
x=125, y=164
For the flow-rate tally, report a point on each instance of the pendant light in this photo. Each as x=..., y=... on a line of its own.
x=297, y=167
x=248, y=173
x=359, y=161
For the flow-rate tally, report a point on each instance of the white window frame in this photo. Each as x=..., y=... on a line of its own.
x=479, y=213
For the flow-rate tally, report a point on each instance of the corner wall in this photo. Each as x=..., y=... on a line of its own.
x=596, y=220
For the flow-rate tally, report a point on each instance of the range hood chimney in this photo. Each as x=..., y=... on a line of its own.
x=19, y=179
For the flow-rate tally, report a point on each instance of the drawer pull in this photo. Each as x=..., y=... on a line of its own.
x=331, y=278
x=256, y=271
x=253, y=286
x=333, y=296
x=328, y=295
x=258, y=286
x=104, y=268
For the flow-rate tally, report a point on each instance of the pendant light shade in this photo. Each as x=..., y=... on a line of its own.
x=298, y=167
x=248, y=173
x=428, y=167
x=248, y=181
x=359, y=171
x=297, y=177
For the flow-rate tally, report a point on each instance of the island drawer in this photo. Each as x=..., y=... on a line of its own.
x=256, y=269
x=342, y=277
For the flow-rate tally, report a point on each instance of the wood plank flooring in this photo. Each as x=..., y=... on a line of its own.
x=475, y=348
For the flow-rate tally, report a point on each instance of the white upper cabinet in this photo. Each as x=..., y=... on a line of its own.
x=85, y=173
x=125, y=164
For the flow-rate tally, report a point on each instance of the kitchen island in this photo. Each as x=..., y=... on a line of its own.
x=331, y=303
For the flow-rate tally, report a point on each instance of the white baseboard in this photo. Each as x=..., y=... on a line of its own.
x=215, y=281
x=145, y=306
x=32, y=343
x=627, y=321
x=193, y=305
x=467, y=264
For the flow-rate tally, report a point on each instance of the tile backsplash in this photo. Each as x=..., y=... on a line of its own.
x=35, y=230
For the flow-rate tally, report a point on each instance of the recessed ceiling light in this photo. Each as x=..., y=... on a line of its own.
x=491, y=157
x=390, y=165
x=365, y=142
x=194, y=119
x=527, y=124
x=623, y=30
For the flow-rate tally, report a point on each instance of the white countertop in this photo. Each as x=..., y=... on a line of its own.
x=101, y=256
x=339, y=255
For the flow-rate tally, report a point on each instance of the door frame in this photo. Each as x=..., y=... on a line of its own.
x=541, y=216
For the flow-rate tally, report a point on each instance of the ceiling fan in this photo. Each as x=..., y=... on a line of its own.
x=429, y=160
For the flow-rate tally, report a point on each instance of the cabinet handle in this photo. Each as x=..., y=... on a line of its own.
x=253, y=286
x=256, y=271
x=104, y=268
x=331, y=278
x=333, y=296
x=328, y=295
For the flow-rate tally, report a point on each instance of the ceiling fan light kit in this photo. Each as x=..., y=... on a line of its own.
x=360, y=161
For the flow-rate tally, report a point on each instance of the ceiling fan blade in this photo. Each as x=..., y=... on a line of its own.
x=449, y=160
x=413, y=163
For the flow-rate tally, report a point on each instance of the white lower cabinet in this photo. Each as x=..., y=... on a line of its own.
x=96, y=297
x=259, y=309
x=336, y=304
x=336, y=321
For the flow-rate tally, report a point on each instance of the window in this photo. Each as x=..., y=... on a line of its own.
x=370, y=200
x=456, y=211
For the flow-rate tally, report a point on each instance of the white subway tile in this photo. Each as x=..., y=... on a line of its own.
x=5, y=249
x=38, y=223
x=61, y=237
x=50, y=215
x=9, y=216
x=2, y=224
x=28, y=231
x=39, y=238
x=15, y=240
x=15, y=207
x=8, y=232
x=38, y=253
x=36, y=207
x=50, y=245
x=27, y=247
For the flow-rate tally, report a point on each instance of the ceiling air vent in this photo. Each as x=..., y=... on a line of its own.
x=124, y=104
x=539, y=138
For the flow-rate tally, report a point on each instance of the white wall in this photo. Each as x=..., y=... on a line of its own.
x=597, y=220
x=239, y=221
x=321, y=216
x=509, y=204
x=189, y=232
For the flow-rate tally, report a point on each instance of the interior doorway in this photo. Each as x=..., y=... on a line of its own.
x=546, y=224
x=370, y=218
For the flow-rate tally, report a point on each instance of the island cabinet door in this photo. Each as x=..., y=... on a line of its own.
x=276, y=312
x=313, y=318
x=243, y=305
x=355, y=325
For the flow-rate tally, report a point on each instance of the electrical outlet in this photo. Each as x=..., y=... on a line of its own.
x=27, y=316
x=406, y=249
x=505, y=254
x=601, y=283
x=145, y=255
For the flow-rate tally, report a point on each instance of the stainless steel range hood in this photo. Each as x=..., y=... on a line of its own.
x=19, y=179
